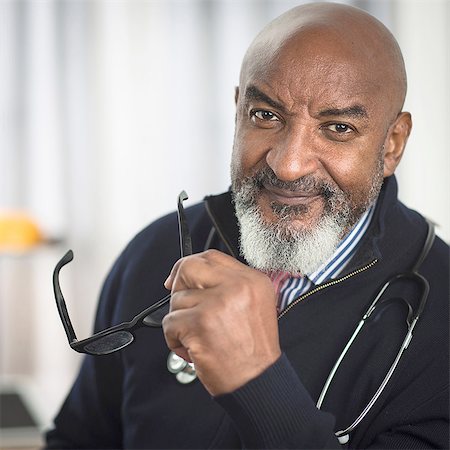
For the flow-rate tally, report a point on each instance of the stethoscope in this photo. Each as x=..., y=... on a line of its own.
x=411, y=321
x=185, y=371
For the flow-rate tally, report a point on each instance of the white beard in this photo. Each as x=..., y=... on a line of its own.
x=283, y=245
x=269, y=248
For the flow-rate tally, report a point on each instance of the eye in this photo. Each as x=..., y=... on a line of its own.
x=338, y=131
x=341, y=128
x=264, y=115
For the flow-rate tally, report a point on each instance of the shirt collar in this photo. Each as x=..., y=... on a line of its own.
x=334, y=265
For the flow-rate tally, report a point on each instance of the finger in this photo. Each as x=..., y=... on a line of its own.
x=169, y=279
x=182, y=353
x=168, y=284
x=198, y=271
x=176, y=326
x=185, y=299
x=212, y=258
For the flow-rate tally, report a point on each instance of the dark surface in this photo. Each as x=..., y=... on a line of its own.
x=14, y=413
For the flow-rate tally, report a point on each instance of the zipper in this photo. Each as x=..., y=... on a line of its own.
x=304, y=296
x=325, y=285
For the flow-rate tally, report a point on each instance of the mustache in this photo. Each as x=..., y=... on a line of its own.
x=246, y=191
x=307, y=184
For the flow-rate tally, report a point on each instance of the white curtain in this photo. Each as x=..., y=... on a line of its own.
x=109, y=108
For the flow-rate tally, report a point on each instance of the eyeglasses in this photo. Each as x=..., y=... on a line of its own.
x=119, y=336
x=382, y=300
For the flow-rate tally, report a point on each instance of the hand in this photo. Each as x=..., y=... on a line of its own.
x=223, y=319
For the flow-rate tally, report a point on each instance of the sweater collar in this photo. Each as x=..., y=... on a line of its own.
x=221, y=211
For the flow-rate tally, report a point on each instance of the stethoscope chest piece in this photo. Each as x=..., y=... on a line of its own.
x=184, y=371
x=343, y=439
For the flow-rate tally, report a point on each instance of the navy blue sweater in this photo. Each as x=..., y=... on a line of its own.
x=130, y=400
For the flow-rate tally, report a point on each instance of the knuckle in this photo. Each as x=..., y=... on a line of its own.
x=182, y=263
x=189, y=265
x=184, y=274
x=166, y=321
x=180, y=300
x=170, y=324
x=212, y=254
x=172, y=331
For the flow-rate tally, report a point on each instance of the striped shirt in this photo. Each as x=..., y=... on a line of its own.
x=289, y=288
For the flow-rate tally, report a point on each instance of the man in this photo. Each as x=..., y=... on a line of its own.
x=264, y=317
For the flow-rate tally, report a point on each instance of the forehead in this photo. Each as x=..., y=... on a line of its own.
x=316, y=69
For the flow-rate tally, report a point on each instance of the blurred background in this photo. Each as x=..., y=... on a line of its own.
x=108, y=109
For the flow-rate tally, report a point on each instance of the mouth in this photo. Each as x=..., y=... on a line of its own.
x=289, y=197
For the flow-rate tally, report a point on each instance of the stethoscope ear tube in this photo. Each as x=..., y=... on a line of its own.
x=382, y=386
x=344, y=435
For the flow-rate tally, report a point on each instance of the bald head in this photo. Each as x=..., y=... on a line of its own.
x=331, y=35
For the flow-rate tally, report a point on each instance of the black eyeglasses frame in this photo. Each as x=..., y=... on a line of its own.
x=118, y=336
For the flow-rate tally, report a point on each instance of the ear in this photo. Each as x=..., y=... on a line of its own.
x=236, y=94
x=396, y=141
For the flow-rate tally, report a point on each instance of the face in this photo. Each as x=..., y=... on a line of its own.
x=310, y=141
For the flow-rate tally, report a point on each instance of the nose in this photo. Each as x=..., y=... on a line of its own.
x=293, y=155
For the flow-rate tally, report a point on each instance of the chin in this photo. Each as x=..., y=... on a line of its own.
x=289, y=218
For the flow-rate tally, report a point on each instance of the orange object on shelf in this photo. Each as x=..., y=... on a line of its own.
x=18, y=232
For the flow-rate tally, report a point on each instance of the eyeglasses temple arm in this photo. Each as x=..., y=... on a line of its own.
x=60, y=302
x=185, y=236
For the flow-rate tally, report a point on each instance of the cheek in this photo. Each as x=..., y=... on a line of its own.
x=248, y=152
x=354, y=171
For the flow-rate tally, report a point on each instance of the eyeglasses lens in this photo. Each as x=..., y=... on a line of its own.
x=110, y=343
x=155, y=318
x=114, y=339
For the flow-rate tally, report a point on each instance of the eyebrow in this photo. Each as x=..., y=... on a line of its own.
x=353, y=112
x=252, y=93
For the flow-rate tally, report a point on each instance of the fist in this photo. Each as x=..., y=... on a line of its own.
x=223, y=319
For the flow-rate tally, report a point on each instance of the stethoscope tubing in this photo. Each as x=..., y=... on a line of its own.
x=344, y=435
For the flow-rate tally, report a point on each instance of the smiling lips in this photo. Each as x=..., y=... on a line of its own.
x=289, y=197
